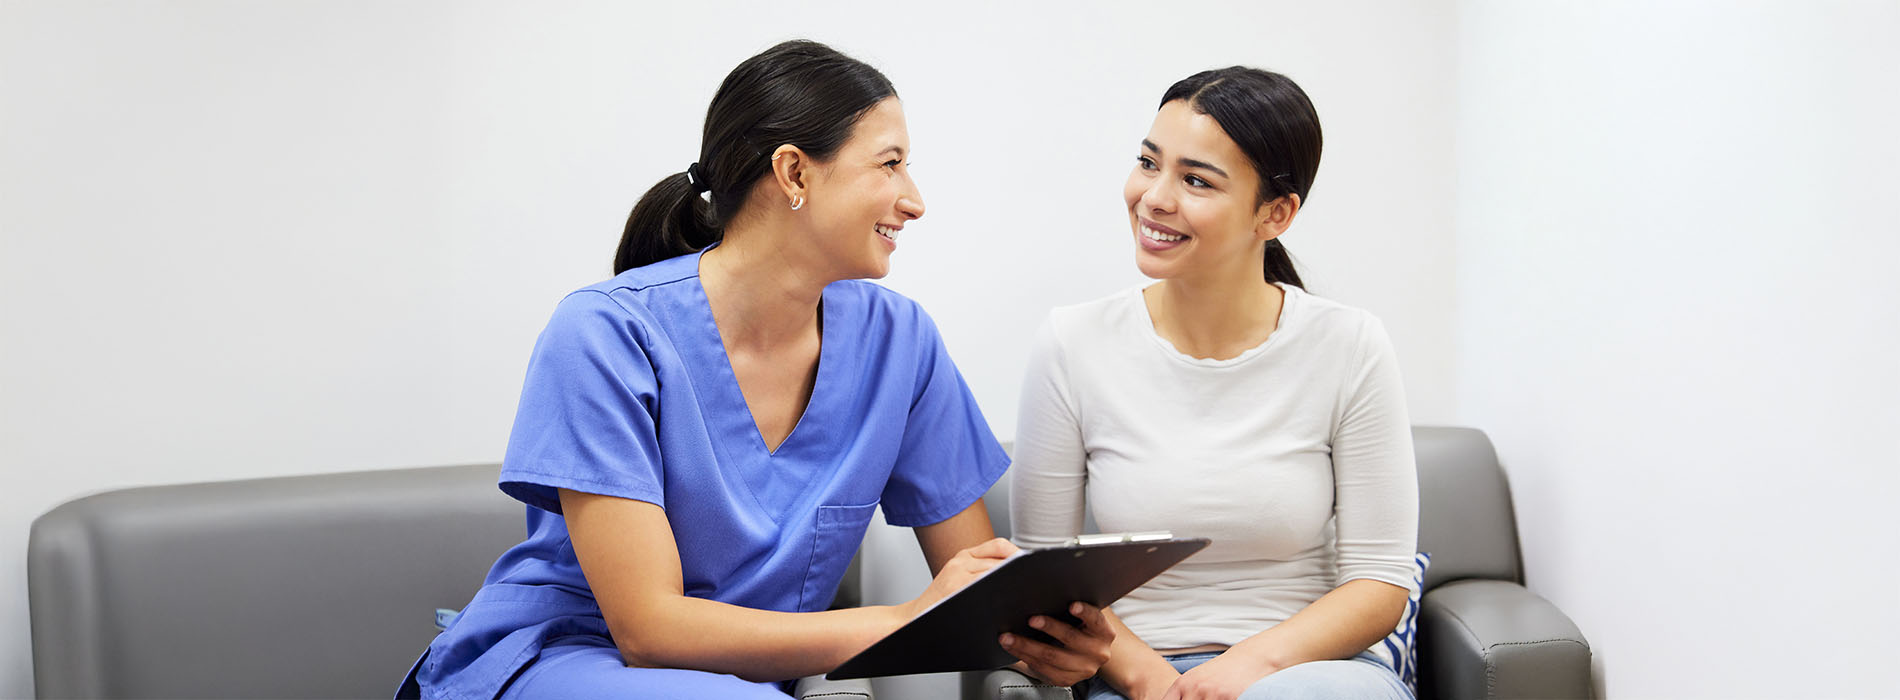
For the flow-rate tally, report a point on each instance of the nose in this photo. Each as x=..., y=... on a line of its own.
x=910, y=204
x=1158, y=197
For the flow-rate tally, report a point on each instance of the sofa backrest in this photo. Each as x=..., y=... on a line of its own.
x=296, y=587
x=1465, y=518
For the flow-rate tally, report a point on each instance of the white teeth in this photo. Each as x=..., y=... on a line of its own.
x=1154, y=235
x=887, y=232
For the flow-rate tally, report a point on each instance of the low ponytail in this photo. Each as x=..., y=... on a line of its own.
x=799, y=93
x=1280, y=265
x=670, y=220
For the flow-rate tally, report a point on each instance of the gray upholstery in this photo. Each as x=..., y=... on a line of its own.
x=1496, y=639
x=314, y=586
x=298, y=587
x=1007, y=684
x=818, y=688
x=1481, y=633
x=1464, y=518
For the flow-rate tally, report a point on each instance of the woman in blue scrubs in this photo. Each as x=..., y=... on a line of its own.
x=703, y=438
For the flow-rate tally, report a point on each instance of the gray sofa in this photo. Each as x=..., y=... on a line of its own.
x=324, y=586
x=297, y=587
x=1482, y=634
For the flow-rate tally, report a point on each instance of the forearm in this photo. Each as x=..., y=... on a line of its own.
x=626, y=550
x=1133, y=667
x=1340, y=624
x=765, y=645
x=757, y=645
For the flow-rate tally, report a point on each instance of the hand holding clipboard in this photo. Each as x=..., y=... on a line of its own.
x=959, y=632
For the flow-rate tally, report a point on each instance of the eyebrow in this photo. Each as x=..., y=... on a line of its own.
x=1189, y=162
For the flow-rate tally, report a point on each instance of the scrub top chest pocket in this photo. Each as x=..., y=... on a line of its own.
x=837, y=533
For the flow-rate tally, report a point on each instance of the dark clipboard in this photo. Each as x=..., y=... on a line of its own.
x=959, y=632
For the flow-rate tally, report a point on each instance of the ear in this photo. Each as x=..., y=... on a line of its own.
x=791, y=169
x=1275, y=217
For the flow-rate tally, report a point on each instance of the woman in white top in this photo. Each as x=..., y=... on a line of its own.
x=1223, y=401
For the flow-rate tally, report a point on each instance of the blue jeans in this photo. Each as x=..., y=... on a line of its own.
x=1363, y=677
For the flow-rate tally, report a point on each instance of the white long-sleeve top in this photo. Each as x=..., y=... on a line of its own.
x=1294, y=457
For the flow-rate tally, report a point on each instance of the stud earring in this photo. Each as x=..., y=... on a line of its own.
x=797, y=202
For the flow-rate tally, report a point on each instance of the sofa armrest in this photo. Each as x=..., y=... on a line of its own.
x=817, y=688
x=1009, y=684
x=1496, y=639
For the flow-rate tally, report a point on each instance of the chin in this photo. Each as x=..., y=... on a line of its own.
x=876, y=269
x=1150, y=267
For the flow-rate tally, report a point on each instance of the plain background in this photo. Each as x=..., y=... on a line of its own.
x=1646, y=246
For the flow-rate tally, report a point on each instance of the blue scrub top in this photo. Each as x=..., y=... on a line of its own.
x=630, y=394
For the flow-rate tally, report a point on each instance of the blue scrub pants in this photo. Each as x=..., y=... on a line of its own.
x=1362, y=677
x=573, y=669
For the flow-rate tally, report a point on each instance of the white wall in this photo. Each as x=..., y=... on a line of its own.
x=243, y=239
x=1679, y=318
x=248, y=239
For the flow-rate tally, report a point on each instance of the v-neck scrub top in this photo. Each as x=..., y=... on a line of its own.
x=630, y=394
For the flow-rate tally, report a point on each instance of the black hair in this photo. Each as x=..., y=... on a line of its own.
x=1269, y=117
x=801, y=93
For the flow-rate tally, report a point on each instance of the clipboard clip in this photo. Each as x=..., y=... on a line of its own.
x=1119, y=537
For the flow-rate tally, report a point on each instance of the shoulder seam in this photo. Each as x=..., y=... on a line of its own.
x=1064, y=372
x=608, y=293
x=1350, y=377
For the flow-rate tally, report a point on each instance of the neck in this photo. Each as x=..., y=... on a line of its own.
x=762, y=294
x=1216, y=318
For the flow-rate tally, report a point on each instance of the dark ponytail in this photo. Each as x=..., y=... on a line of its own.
x=801, y=93
x=1269, y=117
x=669, y=220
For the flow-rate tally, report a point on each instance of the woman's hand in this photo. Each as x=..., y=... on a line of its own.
x=1223, y=677
x=959, y=572
x=1081, y=653
x=1083, y=649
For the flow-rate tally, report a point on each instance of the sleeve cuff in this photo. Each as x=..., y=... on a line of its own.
x=538, y=489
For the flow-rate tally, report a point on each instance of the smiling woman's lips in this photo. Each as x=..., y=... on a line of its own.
x=1159, y=233
x=1158, y=228
x=1156, y=241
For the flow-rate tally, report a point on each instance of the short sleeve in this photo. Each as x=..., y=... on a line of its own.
x=1375, y=473
x=948, y=457
x=588, y=409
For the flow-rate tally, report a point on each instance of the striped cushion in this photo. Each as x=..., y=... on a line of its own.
x=1402, y=644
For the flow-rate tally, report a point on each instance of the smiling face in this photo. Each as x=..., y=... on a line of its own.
x=856, y=203
x=1193, y=201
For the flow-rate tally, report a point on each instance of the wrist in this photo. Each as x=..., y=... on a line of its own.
x=1154, y=688
x=1258, y=656
x=869, y=624
x=1150, y=682
x=896, y=615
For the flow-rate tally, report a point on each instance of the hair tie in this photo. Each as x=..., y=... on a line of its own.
x=696, y=177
